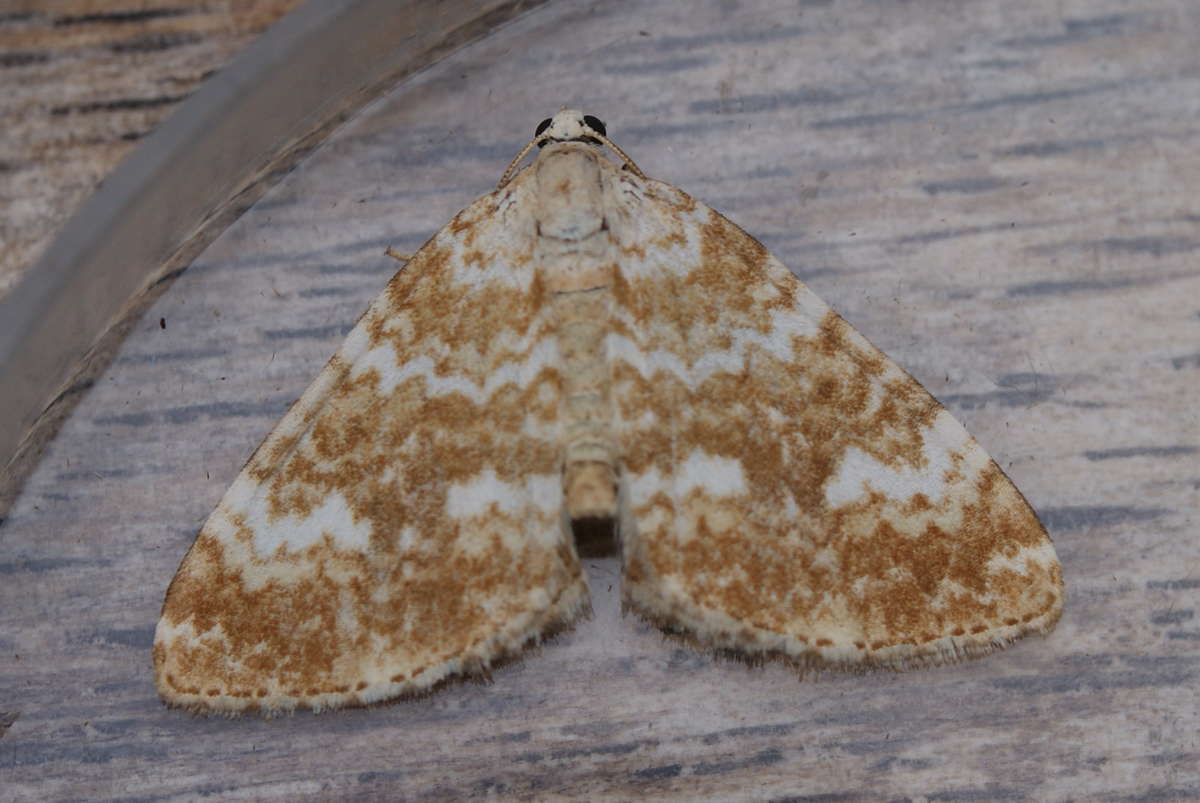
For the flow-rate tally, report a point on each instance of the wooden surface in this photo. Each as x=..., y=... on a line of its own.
x=84, y=82
x=1001, y=195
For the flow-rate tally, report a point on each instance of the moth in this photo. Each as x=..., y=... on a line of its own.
x=587, y=343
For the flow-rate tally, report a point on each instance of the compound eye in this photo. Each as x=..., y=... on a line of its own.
x=596, y=124
x=542, y=126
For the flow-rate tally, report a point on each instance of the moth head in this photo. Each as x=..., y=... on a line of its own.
x=570, y=125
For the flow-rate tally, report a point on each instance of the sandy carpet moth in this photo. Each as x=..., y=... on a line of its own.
x=586, y=342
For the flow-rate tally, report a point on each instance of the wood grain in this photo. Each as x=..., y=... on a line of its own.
x=1001, y=195
x=85, y=81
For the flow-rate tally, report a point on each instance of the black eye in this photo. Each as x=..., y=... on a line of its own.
x=542, y=126
x=595, y=124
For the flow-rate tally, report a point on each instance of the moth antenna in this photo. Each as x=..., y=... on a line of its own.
x=612, y=146
x=511, y=170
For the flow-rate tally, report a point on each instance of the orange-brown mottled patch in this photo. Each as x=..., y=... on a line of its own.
x=632, y=249
x=462, y=227
x=678, y=202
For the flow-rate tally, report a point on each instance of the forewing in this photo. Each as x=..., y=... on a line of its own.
x=787, y=488
x=403, y=522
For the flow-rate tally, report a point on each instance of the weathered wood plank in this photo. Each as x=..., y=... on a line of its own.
x=84, y=83
x=1000, y=195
